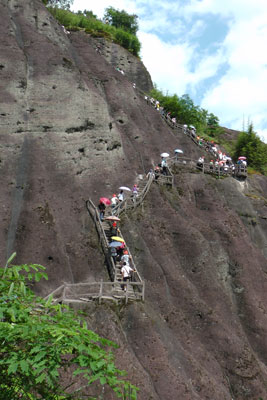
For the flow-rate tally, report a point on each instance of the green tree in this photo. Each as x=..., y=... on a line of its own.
x=86, y=13
x=184, y=109
x=121, y=19
x=64, y=4
x=212, y=120
x=250, y=145
x=40, y=341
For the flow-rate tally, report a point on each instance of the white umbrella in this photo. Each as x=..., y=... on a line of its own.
x=125, y=188
x=178, y=151
x=164, y=155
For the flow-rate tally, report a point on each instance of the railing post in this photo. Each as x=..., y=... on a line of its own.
x=64, y=293
x=143, y=291
x=100, y=291
x=127, y=294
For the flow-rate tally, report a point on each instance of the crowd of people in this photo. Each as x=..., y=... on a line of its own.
x=117, y=246
x=116, y=199
x=220, y=162
x=122, y=258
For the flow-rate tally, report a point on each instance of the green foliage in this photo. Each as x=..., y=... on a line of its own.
x=121, y=19
x=186, y=112
x=250, y=145
x=39, y=342
x=88, y=22
x=212, y=120
x=64, y=4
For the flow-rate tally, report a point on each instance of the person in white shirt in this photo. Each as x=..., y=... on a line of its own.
x=200, y=162
x=126, y=273
x=121, y=196
x=114, y=201
x=164, y=166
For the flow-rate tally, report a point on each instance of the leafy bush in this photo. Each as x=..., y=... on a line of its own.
x=90, y=24
x=186, y=112
x=121, y=19
x=39, y=341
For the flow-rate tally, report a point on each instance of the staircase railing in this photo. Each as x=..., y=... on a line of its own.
x=102, y=237
x=133, y=202
x=89, y=291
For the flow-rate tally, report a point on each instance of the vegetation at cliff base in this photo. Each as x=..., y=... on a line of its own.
x=120, y=27
x=47, y=350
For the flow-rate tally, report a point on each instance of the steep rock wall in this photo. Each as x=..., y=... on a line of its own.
x=72, y=127
x=119, y=57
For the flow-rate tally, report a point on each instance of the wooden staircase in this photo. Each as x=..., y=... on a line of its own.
x=131, y=202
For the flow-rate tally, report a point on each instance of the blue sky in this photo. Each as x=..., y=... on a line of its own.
x=213, y=50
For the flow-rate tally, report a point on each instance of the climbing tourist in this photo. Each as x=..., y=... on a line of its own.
x=135, y=191
x=121, y=196
x=157, y=171
x=193, y=131
x=102, y=209
x=200, y=162
x=126, y=271
x=164, y=166
x=114, y=201
x=211, y=165
x=150, y=172
x=126, y=257
x=120, y=250
x=113, y=253
x=114, y=229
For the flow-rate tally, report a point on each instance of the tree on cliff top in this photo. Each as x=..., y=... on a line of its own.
x=43, y=345
x=65, y=4
x=121, y=19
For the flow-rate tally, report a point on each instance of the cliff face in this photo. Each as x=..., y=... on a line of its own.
x=72, y=127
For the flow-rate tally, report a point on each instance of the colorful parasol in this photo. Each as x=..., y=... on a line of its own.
x=112, y=218
x=164, y=155
x=117, y=239
x=105, y=201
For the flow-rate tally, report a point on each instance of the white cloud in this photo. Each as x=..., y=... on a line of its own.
x=244, y=9
x=242, y=92
x=168, y=64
